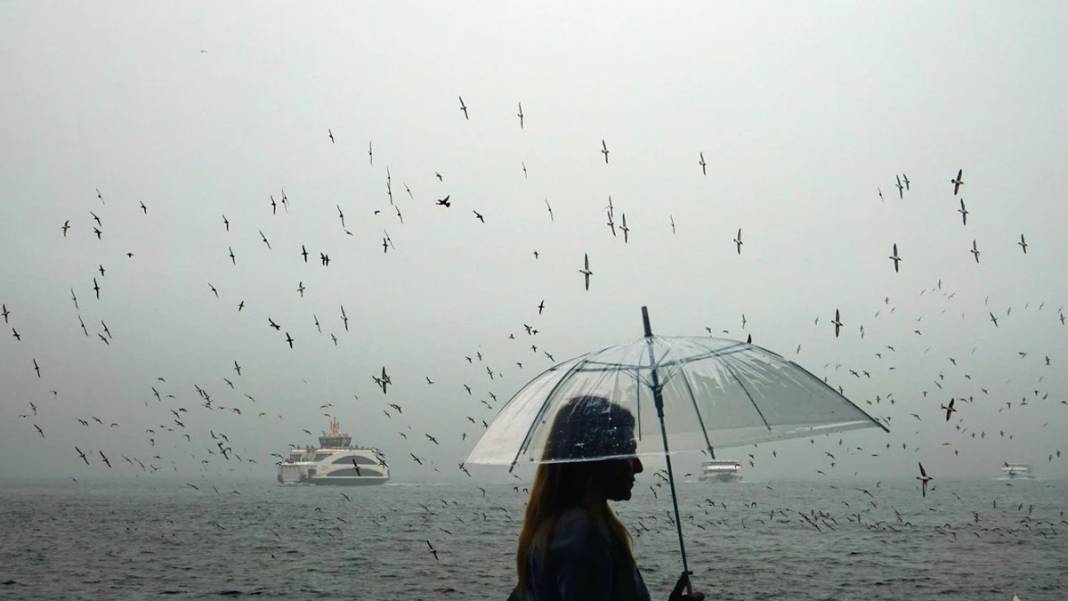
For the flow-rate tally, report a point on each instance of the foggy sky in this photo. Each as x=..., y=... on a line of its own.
x=802, y=113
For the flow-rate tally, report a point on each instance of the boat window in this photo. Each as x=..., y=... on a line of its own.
x=360, y=460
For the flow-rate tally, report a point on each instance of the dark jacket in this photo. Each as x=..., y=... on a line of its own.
x=584, y=562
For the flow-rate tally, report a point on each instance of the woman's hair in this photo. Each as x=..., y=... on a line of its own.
x=586, y=427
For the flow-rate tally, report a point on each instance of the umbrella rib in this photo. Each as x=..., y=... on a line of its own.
x=700, y=421
x=541, y=412
x=746, y=391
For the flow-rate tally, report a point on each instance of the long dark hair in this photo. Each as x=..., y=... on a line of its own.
x=587, y=426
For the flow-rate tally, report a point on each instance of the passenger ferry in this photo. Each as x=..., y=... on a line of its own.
x=334, y=462
x=1016, y=471
x=721, y=471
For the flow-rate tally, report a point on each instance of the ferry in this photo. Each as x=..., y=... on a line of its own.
x=1016, y=471
x=334, y=462
x=721, y=471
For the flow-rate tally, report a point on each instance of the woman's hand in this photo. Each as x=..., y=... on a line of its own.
x=679, y=594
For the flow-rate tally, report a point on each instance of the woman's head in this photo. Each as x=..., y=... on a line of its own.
x=591, y=447
x=590, y=455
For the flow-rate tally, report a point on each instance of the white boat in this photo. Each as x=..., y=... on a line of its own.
x=721, y=471
x=1016, y=471
x=334, y=462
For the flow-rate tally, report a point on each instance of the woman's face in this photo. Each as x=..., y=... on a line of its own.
x=618, y=477
x=615, y=477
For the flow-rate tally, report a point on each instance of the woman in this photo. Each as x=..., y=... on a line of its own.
x=572, y=547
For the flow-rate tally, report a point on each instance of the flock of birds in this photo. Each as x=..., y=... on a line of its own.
x=213, y=449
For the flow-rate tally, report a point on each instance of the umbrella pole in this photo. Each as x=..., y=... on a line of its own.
x=658, y=400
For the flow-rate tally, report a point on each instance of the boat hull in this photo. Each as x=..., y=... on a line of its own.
x=735, y=477
x=345, y=481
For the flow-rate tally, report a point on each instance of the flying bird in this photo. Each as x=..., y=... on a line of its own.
x=585, y=271
x=963, y=212
x=330, y=133
x=1022, y=244
x=837, y=323
x=738, y=241
x=463, y=108
x=957, y=181
x=975, y=252
x=604, y=151
x=703, y=164
x=949, y=408
x=520, y=115
x=900, y=188
x=895, y=258
x=924, y=479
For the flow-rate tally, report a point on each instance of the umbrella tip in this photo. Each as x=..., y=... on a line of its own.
x=645, y=321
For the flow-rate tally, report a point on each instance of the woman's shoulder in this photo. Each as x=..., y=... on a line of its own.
x=577, y=527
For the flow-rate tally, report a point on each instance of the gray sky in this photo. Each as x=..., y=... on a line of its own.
x=802, y=113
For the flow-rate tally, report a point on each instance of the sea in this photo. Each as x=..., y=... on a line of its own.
x=791, y=540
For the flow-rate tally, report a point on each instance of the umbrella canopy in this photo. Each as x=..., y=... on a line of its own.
x=716, y=393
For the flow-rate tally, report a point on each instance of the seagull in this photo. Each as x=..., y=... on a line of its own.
x=975, y=252
x=330, y=133
x=672, y=217
x=738, y=241
x=625, y=229
x=837, y=323
x=963, y=212
x=604, y=151
x=703, y=164
x=304, y=253
x=586, y=271
x=96, y=289
x=65, y=227
x=237, y=368
x=924, y=479
x=900, y=188
x=541, y=306
x=895, y=258
x=226, y=222
x=262, y=236
x=550, y=208
x=523, y=163
x=479, y=216
x=82, y=455
x=957, y=181
x=880, y=191
x=994, y=319
x=463, y=108
x=444, y=202
x=289, y=339
x=949, y=409
x=906, y=178
x=1022, y=243
x=5, y=313
x=432, y=549
x=344, y=318
x=233, y=259
x=143, y=207
x=520, y=115
x=105, y=458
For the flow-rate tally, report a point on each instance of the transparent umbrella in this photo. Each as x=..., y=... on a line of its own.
x=687, y=393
